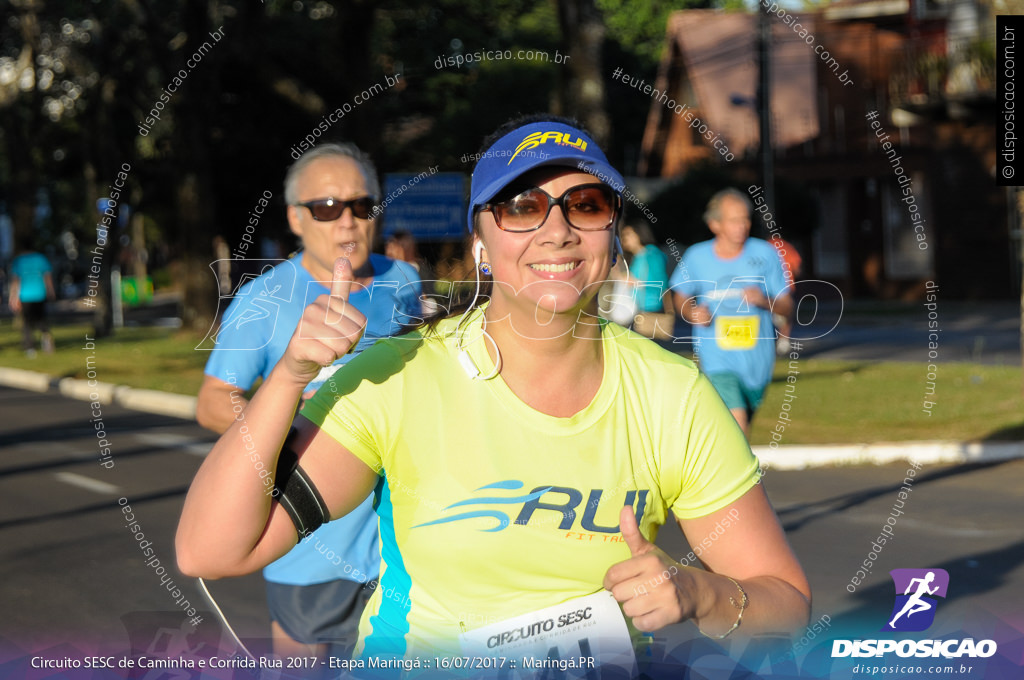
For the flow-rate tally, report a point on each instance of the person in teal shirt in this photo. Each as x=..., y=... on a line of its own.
x=31, y=287
x=647, y=269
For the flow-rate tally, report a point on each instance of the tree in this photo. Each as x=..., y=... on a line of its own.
x=583, y=37
x=202, y=154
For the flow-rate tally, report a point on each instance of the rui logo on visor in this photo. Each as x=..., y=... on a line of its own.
x=535, y=139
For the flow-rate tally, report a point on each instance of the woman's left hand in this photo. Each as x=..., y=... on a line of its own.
x=654, y=589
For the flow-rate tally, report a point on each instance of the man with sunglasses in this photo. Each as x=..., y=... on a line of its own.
x=315, y=592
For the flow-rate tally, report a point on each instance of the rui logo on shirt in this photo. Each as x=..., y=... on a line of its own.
x=570, y=499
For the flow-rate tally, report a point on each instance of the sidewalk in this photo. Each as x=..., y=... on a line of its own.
x=149, y=401
x=789, y=457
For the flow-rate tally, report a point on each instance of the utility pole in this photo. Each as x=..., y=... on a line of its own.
x=764, y=106
x=1019, y=219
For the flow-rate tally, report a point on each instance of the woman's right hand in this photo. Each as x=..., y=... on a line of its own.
x=329, y=328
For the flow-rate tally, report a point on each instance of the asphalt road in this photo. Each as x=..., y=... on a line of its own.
x=984, y=333
x=74, y=576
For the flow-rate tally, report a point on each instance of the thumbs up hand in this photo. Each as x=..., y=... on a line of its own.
x=654, y=589
x=330, y=327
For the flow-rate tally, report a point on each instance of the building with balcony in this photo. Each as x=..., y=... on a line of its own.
x=884, y=110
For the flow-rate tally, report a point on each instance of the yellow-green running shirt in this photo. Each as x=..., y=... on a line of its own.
x=490, y=509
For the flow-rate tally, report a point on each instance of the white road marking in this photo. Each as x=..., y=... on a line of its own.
x=163, y=440
x=84, y=482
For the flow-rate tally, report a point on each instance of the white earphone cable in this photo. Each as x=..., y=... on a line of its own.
x=223, y=619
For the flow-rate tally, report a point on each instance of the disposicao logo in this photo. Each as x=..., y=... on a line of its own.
x=914, y=610
x=535, y=139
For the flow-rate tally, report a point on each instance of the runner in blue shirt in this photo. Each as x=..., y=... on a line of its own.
x=315, y=592
x=727, y=288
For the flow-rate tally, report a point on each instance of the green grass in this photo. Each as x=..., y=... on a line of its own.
x=836, y=401
x=851, y=401
x=153, y=358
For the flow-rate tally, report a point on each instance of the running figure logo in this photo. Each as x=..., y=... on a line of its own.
x=915, y=611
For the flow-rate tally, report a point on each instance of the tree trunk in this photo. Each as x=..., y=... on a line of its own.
x=100, y=174
x=583, y=36
x=199, y=298
x=355, y=35
x=196, y=209
x=26, y=115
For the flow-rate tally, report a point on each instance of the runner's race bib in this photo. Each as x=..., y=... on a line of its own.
x=737, y=332
x=582, y=638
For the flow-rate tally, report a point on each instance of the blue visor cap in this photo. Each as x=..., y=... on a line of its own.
x=533, y=146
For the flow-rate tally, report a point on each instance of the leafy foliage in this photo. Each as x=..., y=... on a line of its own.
x=79, y=79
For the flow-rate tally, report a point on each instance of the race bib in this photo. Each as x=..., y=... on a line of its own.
x=737, y=332
x=575, y=638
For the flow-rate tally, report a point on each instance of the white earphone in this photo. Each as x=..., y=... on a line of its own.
x=468, y=365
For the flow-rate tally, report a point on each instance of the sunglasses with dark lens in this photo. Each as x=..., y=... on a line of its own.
x=330, y=209
x=587, y=207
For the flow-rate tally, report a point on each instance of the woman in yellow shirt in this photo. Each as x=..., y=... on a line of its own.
x=524, y=451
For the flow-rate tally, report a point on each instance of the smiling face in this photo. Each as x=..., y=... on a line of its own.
x=339, y=177
x=556, y=268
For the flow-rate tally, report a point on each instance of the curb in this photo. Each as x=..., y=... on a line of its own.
x=805, y=456
x=25, y=380
x=148, y=401
x=789, y=457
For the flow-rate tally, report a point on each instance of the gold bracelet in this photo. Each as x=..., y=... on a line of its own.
x=741, y=606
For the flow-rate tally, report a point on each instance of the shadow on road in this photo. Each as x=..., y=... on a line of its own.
x=828, y=506
x=77, y=513
x=65, y=462
x=126, y=421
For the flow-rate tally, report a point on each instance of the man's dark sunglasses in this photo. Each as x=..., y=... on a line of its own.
x=330, y=209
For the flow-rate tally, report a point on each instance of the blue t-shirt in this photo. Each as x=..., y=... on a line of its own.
x=741, y=338
x=31, y=270
x=650, y=269
x=252, y=338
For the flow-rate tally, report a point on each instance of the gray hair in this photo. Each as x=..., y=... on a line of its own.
x=331, y=150
x=714, y=209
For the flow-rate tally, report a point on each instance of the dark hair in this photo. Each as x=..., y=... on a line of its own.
x=400, y=235
x=26, y=243
x=643, y=232
x=464, y=272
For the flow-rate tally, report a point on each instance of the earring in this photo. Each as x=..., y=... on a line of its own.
x=485, y=268
x=615, y=259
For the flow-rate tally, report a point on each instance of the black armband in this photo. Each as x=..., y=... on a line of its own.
x=296, y=493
